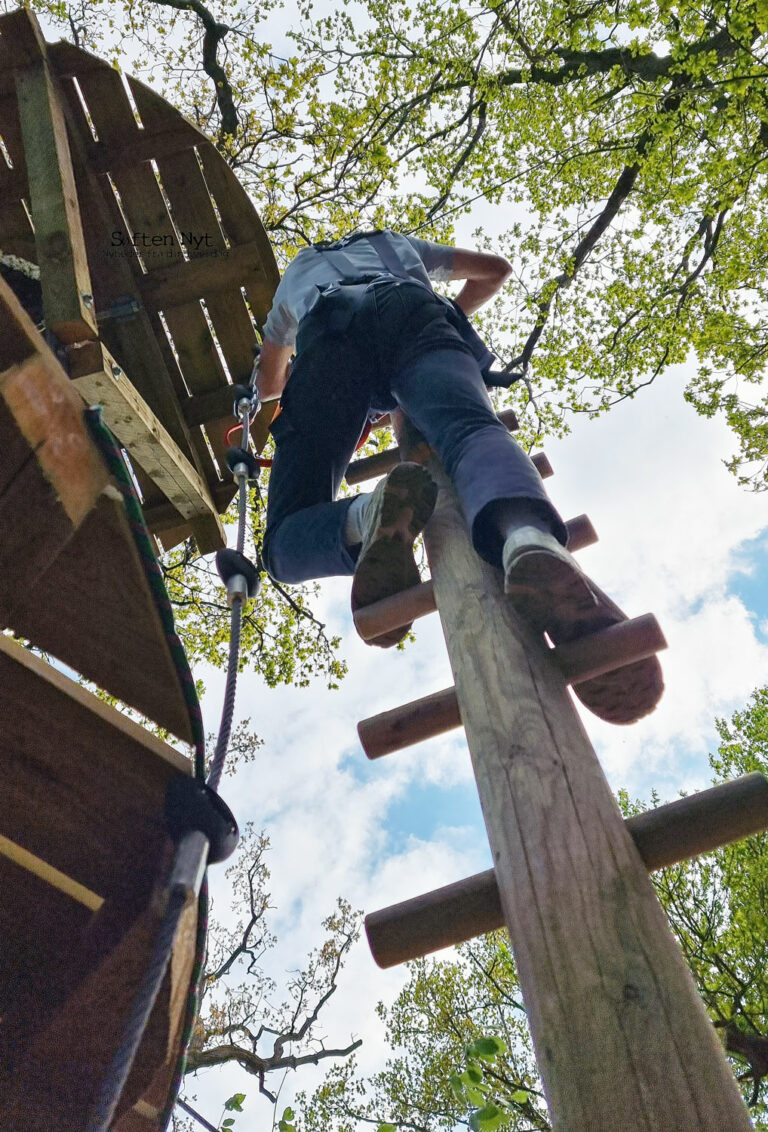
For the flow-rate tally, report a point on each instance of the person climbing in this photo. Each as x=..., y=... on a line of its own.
x=370, y=335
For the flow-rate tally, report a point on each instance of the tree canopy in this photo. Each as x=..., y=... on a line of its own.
x=624, y=148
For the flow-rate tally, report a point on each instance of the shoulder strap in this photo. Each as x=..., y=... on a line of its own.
x=388, y=256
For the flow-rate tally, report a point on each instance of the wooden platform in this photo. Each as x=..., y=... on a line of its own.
x=71, y=577
x=153, y=263
x=82, y=851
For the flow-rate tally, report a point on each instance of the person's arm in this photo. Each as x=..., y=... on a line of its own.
x=485, y=274
x=274, y=368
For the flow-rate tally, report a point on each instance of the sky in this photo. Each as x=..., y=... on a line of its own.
x=678, y=538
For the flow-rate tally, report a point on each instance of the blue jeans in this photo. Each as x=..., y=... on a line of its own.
x=375, y=348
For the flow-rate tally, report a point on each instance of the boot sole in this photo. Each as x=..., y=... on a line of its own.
x=559, y=600
x=387, y=565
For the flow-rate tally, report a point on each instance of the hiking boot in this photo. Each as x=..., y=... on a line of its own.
x=396, y=514
x=556, y=597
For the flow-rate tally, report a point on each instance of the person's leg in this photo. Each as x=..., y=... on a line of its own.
x=325, y=406
x=439, y=386
x=513, y=523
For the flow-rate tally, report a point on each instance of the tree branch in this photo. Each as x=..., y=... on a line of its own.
x=620, y=192
x=213, y=35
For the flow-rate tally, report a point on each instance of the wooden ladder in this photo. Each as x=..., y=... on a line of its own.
x=621, y=1036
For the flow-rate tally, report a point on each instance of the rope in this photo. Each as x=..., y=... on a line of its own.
x=113, y=457
x=109, y=1095
x=228, y=709
x=200, y=1119
x=117, y=1075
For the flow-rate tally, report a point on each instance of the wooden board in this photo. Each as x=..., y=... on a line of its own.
x=84, y=792
x=196, y=192
x=104, y=623
x=58, y=230
x=100, y=381
x=71, y=579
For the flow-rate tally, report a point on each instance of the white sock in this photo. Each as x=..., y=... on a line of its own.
x=355, y=520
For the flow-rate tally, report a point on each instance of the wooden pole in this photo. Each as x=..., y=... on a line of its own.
x=621, y=1036
x=470, y=907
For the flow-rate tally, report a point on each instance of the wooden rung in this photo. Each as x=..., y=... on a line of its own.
x=401, y=609
x=675, y=832
x=578, y=661
x=382, y=462
x=400, y=727
x=580, y=533
x=611, y=648
x=542, y=465
x=371, y=466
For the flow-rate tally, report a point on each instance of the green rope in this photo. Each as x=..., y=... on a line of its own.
x=113, y=458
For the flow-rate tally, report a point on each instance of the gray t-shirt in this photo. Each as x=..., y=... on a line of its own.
x=298, y=290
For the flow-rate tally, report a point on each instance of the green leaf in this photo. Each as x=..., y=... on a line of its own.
x=235, y=1103
x=486, y=1048
x=456, y=1086
x=387, y=1128
x=227, y=1123
x=487, y=1119
x=520, y=1096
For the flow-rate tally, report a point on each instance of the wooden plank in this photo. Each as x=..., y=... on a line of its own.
x=133, y=343
x=66, y=489
x=142, y=341
x=242, y=226
x=145, y=146
x=590, y=939
x=16, y=234
x=194, y=213
x=41, y=929
x=97, y=815
x=28, y=863
x=178, y=282
x=162, y=517
x=663, y=836
x=21, y=40
x=138, y=429
x=53, y=199
x=56, y=1082
x=218, y=405
x=199, y=360
x=85, y=783
x=104, y=623
x=48, y=413
x=13, y=186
